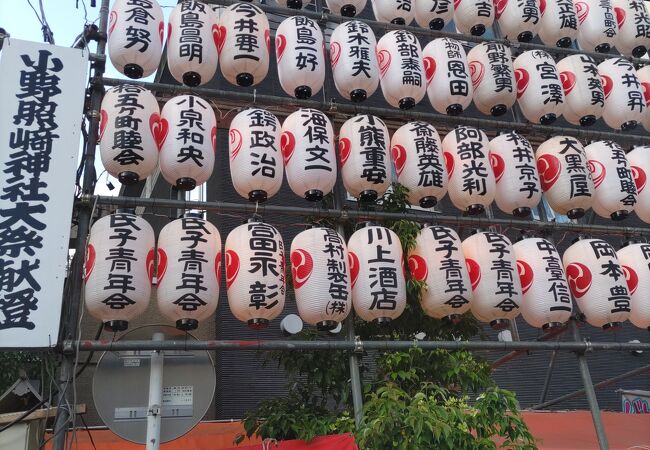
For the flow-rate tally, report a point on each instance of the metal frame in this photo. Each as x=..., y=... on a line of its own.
x=72, y=345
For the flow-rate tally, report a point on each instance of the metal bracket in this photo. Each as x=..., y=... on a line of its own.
x=358, y=344
x=154, y=411
x=589, y=347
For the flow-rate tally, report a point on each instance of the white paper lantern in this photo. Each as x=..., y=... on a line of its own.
x=564, y=176
x=256, y=166
x=420, y=165
x=244, y=44
x=130, y=129
x=187, y=153
x=625, y=105
x=473, y=16
x=300, y=54
x=615, y=192
x=597, y=27
x=254, y=257
x=353, y=55
x=400, y=12
x=643, y=74
x=192, y=39
x=584, y=98
x=403, y=80
x=449, y=85
x=634, y=259
x=559, y=24
x=639, y=159
x=493, y=79
x=434, y=14
x=377, y=272
x=546, y=299
x=321, y=277
x=597, y=282
x=471, y=185
x=539, y=90
x=136, y=31
x=118, y=270
x=307, y=144
x=518, y=189
x=517, y=19
x=363, y=152
x=346, y=8
x=633, y=37
x=189, y=269
x=496, y=289
x=438, y=260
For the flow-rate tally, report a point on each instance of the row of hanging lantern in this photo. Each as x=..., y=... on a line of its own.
x=473, y=170
x=406, y=72
x=485, y=273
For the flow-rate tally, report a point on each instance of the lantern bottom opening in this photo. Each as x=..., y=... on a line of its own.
x=498, y=110
x=587, y=121
x=500, y=324
x=383, y=321
x=575, y=213
x=258, y=324
x=294, y=4
x=302, y=92
x=187, y=324
x=314, y=195
x=257, y=196
x=565, y=42
x=406, y=103
x=455, y=109
x=603, y=48
x=185, y=184
x=612, y=326
x=629, y=125
x=477, y=30
x=639, y=51
x=348, y=10
x=551, y=326
x=521, y=212
x=547, y=119
x=326, y=325
x=116, y=325
x=128, y=178
x=437, y=24
x=619, y=215
x=244, y=79
x=133, y=71
x=398, y=21
x=525, y=36
x=191, y=79
x=428, y=202
x=358, y=95
x=368, y=196
x=473, y=210
x=453, y=319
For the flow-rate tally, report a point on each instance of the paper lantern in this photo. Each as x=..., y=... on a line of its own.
x=136, y=31
x=346, y=8
x=118, y=270
x=417, y=154
x=192, y=37
x=256, y=166
x=438, y=260
x=187, y=151
x=625, y=104
x=449, y=85
x=403, y=81
x=539, y=90
x=471, y=185
x=400, y=12
x=496, y=289
x=354, y=60
x=299, y=52
x=584, y=98
x=307, y=144
x=564, y=176
x=559, y=24
x=517, y=19
x=473, y=16
x=321, y=277
x=377, y=273
x=518, y=189
x=634, y=259
x=597, y=282
x=433, y=14
x=615, y=191
x=633, y=37
x=597, y=26
x=255, y=273
x=493, y=79
x=639, y=160
x=244, y=44
x=130, y=129
x=643, y=74
x=546, y=299
x=189, y=270
x=363, y=152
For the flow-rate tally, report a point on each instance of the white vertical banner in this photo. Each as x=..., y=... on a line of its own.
x=41, y=93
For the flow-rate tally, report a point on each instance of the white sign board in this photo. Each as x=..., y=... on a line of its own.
x=41, y=103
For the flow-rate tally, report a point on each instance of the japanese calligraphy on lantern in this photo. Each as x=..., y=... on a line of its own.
x=42, y=91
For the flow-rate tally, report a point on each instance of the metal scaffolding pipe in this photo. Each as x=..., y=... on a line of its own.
x=602, y=384
x=357, y=345
x=352, y=109
x=358, y=215
x=548, y=377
